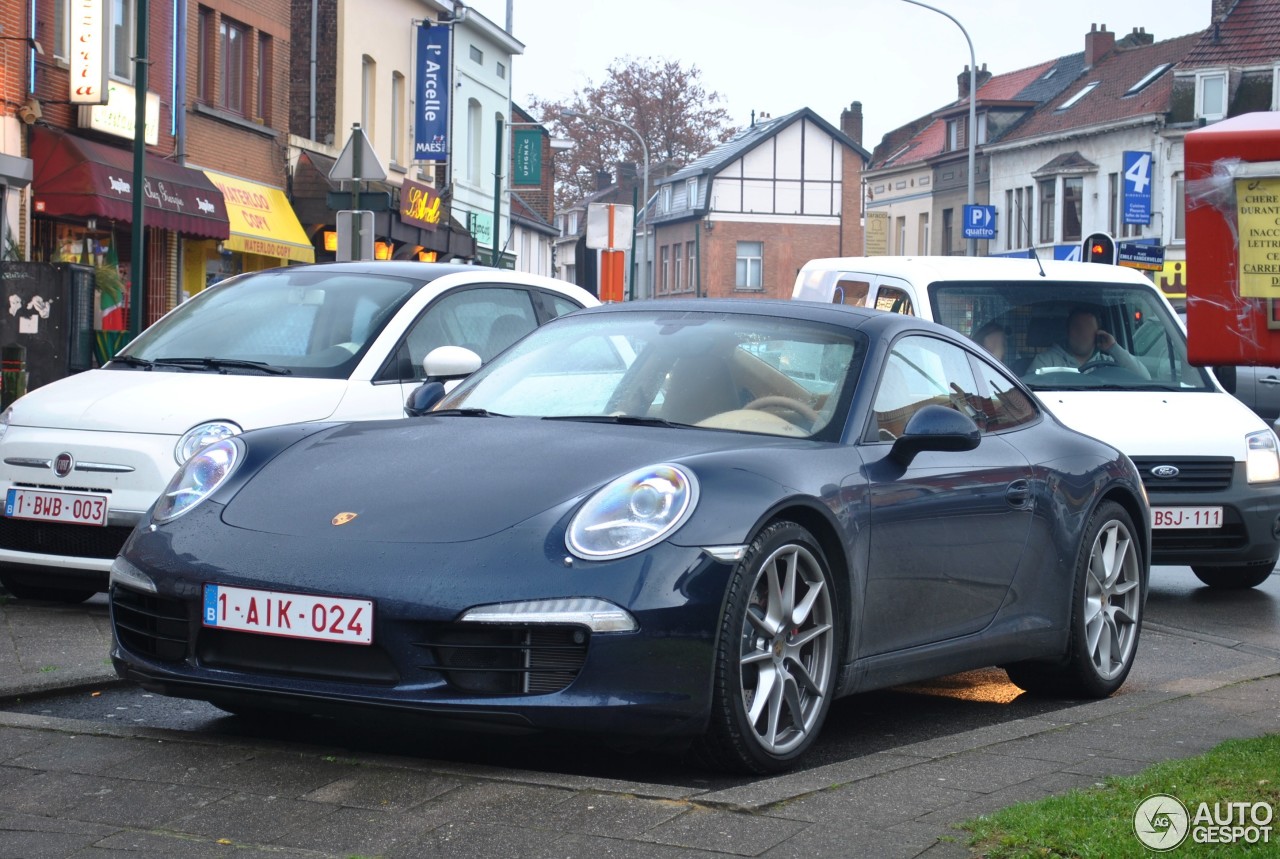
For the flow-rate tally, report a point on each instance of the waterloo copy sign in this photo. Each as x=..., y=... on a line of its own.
x=431, y=84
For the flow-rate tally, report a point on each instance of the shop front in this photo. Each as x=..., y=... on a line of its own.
x=82, y=212
x=265, y=233
x=413, y=226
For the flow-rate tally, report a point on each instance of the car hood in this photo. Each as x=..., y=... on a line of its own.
x=1154, y=423
x=170, y=403
x=453, y=479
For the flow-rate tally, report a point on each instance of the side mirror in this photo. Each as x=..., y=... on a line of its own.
x=1226, y=377
x=935, y=428
x=445, y=363
x=423, y=398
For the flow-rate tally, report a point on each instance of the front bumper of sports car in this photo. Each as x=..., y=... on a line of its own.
x=555, y=673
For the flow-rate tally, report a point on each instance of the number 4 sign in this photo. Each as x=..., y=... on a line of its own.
x=1137, y=188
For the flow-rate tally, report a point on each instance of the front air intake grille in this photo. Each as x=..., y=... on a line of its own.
x=150, y=625
x=296, y=657
x=507, y=659
x=61, y=538
x=1195, y=474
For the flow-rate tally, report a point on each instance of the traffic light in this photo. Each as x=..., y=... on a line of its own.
x=1099, y=247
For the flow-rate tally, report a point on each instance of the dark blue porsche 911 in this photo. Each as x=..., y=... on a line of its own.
x=696, y=522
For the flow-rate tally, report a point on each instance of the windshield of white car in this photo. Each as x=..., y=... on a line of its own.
x=713, y=370
x=1073, y=336
x=296, y=321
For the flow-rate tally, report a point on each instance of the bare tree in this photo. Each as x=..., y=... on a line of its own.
x=663, y=101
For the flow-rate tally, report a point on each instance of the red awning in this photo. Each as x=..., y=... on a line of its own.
x=75, y=176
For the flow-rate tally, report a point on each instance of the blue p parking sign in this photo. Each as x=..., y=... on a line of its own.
x=979, y=222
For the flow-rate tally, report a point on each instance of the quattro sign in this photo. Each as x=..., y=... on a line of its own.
x=979, y=222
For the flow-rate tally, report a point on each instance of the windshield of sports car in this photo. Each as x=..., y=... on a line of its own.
x=284, y=321
x=726, y=371
x=1076, y=336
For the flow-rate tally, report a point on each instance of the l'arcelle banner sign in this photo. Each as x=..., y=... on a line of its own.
x=431, y=85
x=88, y=60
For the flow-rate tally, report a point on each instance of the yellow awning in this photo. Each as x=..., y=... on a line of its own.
x=262, y=221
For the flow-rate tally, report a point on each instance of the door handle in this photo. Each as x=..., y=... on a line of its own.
x=1269, y=380
x=1018, y=493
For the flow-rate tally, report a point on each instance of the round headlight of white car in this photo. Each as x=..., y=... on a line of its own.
x=6, y=417
x=197, y=479
x=200, y=435
x=633, y=512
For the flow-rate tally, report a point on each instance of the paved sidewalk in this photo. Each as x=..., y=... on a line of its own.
x=92, y=789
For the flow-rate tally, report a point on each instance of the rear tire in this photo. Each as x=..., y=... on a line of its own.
x=1106, y=615
x=23, y=591
x=1233, y=578
x=775, y=665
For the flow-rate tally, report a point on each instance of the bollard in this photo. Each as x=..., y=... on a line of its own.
x=13, y=374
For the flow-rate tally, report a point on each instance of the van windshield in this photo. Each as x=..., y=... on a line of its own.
x=1073, y=336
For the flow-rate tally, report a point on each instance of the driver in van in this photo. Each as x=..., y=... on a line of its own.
x=1087, y=343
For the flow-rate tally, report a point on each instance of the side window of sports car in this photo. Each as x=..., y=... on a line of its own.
x=922, y=371
x=1003, y=405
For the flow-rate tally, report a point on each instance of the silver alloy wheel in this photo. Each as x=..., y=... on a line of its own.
x=788, y=643
x=1112, y=596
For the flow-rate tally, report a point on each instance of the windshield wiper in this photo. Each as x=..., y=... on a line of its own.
x=226, y=364
x=131, y=361
x=468, y=413
x=626, y=420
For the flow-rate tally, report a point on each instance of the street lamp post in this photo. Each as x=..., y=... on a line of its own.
x=973, y=109
x=644, y=201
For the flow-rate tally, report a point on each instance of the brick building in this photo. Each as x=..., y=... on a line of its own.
x=741, y=220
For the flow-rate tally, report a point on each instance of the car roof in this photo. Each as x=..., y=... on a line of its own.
x=399, y=268
x=922, y=269
x=872, y=321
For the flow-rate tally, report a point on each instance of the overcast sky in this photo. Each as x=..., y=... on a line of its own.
x=775, y=56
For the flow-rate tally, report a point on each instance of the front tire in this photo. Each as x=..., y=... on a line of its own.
x=1106, y=615
x=775, y=665
x=1233, y=578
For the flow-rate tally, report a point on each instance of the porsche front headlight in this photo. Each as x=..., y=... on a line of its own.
x=200, y=435
x=6, y=417
x=197, y=479
x=633, y=512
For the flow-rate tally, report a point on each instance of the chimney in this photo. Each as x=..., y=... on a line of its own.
x=962, y=80
x=627, y=181
x=851, y=122
x=1097, y=44
x=1137, y=38
x=1218, y=10
x=603, y=179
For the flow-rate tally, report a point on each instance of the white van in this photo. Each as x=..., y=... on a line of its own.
x=1209, y=464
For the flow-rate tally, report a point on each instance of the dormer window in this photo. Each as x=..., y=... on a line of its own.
x=1211, y=95
x=666, y=198
x=953, y=135
x=1088, y=88
x=691, y=192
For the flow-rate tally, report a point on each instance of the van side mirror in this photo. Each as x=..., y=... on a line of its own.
x=1226, y=377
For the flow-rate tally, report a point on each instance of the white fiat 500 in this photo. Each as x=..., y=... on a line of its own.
x=81, y=459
